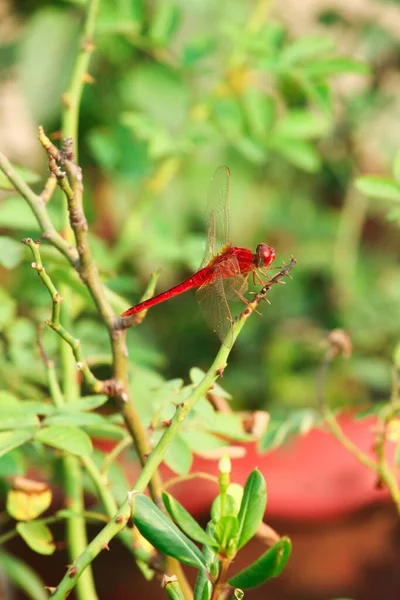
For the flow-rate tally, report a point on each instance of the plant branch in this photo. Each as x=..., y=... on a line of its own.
x=157, y=455
x=38, y=207
x=72, y=97
x=91, y=381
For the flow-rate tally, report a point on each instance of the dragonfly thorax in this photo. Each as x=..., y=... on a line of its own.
x=264, y=256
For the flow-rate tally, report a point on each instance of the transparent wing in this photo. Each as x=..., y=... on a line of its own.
x=213, y=297
x=215, y=309
x=218, y=211
x=232, y=286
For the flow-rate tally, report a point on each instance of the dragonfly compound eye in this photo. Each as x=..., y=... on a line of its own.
x=265, y=255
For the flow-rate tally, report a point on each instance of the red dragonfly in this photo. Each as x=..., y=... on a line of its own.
x=224, y=269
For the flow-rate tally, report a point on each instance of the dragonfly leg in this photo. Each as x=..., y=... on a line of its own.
x=243, y=299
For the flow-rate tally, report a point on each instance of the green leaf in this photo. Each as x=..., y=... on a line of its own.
x=17, y=420
x=259, y=111
x=226, y=507
x=185, y=521
x=378, y=187
x=16, y=214
x=268, y=565
x=226, y=531
x=27, y=175
x=203, y=587
x=12, y=464
x=47, y=63
x=337, y=65
x=79, y=419
x=37, y=535
x=229, y=118
x=305, y=48
x=108, y=431
x=397, y=455
x=12, y=439
x=68, y=438
x=302, y=124
x=201, y=441
x=178, y=456
x=165, y=20
x=163, y=534
x=7, y=309
x=23, y=577
x=11, y=252
x=252, y=507
x=251, y=149
x=300, y=153
x=374, y=409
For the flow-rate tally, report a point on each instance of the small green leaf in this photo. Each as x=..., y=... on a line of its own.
x=185, y=521
x=270, y=564
x=223, y=506
x=178, y=456
x=374, y=409
x=79, y=419
x=25, y=174
x=305, y=48
x=12, y=439
x=378, y=187
x=259, y=111
x=336, y=65
x=203, y=587
x=88, y=402
x=165, y=21
x=7, y=309
x=302, y=124
x=23, y=577
x=11, y=252
x=252, y=507
x=108, y=431
x=13, y=421
x=201, y=441
x=300, y=153
x=68, y=438
x=38, y=536
x=226, y=530
x=252, y=150
x=12, y=464
x=15, y=214
x=163, y=534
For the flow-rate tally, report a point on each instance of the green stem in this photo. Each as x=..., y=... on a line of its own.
x=92, y=382
x=72, y=97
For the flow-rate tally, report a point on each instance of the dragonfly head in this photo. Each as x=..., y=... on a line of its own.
x=264, y=256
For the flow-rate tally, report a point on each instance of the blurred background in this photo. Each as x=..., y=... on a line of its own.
x=297, y=98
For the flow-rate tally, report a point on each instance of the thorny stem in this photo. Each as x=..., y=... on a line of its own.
x=72, y=97
x=157, y=455
x=379, y=466
x=71, y=184
x=38, y=207
x=91, y=381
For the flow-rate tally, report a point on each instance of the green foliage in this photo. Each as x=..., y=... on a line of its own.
x=178, y=90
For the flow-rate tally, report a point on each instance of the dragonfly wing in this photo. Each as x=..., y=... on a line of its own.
x=218, y=211
x=215, y=309
x=235, y=287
